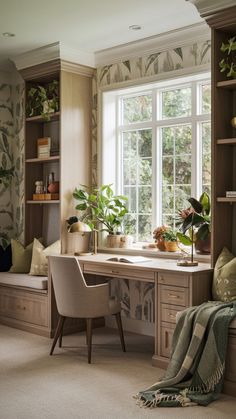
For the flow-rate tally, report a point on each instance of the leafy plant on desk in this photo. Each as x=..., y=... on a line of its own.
x=228, y=64
x=195, y=221
x=102, y=206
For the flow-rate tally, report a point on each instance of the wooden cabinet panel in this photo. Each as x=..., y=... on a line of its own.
x=176, y=279
x=167, y=331
x=19, y=306
x=174, y=295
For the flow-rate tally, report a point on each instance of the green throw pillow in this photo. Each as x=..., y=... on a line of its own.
x=21, y=257
x=224, y=281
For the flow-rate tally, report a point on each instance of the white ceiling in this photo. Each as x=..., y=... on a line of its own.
x=87, y=25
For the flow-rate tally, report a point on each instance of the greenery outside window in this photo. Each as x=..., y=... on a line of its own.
x=156, y=149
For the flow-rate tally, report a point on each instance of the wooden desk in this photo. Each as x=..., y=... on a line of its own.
x=176, y=288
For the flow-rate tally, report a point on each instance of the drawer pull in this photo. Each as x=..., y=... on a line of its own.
x=172, y=316
x=21, y=308
x=115, y=272
x=173, y=296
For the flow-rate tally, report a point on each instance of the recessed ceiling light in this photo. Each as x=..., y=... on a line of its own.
x=135, y=27
x=8, y=34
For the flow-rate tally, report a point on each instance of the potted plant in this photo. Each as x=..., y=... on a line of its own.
x=170, y=240
x=228, y=64
x=43, y=100
x=196, y=224
x=158, y=236
x=103, y=207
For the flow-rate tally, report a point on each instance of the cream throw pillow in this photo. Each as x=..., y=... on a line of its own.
x=39, y=263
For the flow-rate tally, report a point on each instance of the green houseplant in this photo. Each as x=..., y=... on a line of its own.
x=228, y=64
x=195, y=224
x=42, y=100
x=102, y=206
x=170, y=240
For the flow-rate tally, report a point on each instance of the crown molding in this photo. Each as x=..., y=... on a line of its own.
x=207, y=8
x=168, y=40
x=73, y=67
x=53, y=52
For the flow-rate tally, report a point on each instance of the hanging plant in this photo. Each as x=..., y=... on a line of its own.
x=228, y=64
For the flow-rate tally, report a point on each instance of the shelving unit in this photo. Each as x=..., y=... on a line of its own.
x=223, y=26
x=70, y=128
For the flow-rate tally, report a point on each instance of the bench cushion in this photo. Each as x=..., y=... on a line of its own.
x=24, y=280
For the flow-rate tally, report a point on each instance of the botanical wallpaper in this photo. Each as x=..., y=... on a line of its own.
x=11, y=156
x=138, y=298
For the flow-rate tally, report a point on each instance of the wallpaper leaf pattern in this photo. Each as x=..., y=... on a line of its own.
x=11, y=157
x=137, y=298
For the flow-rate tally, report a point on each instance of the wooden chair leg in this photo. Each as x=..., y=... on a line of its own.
x=61, y=334
x=57, y=333
x=89, y=338
x=120, y=328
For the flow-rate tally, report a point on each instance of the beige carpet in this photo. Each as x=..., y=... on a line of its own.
x=35, y=385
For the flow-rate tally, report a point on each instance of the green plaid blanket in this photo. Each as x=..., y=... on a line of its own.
x=197, y=363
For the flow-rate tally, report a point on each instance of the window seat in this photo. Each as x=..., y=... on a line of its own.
x=25, y=303
x=24, y=280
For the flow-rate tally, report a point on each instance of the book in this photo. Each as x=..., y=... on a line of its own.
x=230, y=193
x=128, y=259
x=44, y=145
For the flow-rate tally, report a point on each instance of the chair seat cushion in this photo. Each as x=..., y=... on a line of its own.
x=114, y=306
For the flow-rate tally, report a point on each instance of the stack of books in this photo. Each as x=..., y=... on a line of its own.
x=230, y=194
x=43, y=147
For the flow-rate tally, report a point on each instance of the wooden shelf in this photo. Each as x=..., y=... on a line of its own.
x=229, y=141
x=53, y=117
x=226, y=199
x=52, y=201
x=45, y=160
x=227, y=84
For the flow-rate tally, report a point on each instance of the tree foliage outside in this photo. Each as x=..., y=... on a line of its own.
x=176, y=156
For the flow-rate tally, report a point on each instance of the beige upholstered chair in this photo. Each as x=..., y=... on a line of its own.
x=74, y=298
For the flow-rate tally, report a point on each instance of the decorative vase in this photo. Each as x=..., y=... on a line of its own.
x=161, y=245
x=53, y=187
x=171, y=246
x=203, y=246
x=113, y=240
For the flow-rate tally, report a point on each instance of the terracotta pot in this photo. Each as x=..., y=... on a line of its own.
x=161, y=245
x=53, y=187
x=171, y=246
x=203, y=246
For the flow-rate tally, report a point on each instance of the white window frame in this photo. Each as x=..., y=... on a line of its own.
x=110, y=147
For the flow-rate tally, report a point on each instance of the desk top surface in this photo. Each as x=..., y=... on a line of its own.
x=153, y=264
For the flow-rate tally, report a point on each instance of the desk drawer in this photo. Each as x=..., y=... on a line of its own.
x=175, y=278
x=174, y=295
x=120, y=272
x=168, y=313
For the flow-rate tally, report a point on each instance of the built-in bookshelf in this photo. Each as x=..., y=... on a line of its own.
x=69, y=153
x=223, y=25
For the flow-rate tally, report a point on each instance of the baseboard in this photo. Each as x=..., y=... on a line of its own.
x=132, y=325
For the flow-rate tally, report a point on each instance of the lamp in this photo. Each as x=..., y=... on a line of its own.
x=83, y=228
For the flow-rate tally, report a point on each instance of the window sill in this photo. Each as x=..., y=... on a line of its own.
x=155, y=253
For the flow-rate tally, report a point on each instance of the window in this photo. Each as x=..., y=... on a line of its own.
x=156, y=149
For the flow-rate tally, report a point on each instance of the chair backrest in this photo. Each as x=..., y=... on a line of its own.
x=71, y=290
